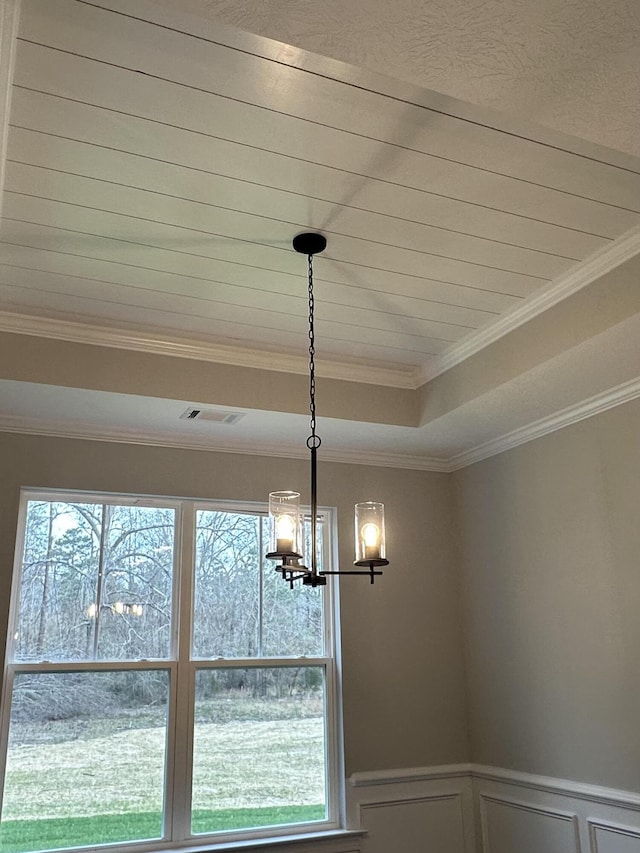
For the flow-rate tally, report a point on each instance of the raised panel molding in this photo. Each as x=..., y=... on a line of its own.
x=414, y=810
x=609, y=838
x=550, y=815
x=422, y=823
x=533, y=827
x=474, y=808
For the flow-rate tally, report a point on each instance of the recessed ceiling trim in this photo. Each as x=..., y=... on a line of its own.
x=609, y=399
x=90, y=432
x=623, y=393
x=600, y=263
x=157, y=344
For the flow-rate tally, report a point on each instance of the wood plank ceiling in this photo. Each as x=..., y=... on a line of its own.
x=155, y=178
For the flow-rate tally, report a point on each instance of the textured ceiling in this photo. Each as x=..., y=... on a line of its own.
x=569, y=64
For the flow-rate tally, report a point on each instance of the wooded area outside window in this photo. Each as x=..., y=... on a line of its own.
x=162, y=685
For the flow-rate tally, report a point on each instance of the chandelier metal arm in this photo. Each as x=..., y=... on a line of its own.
x=371, y=573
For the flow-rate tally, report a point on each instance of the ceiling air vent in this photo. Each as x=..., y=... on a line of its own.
x=216, y=416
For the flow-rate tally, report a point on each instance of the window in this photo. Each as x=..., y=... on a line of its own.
x=163, y=684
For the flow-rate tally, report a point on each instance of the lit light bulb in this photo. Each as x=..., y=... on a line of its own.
x=371, y=537
x=285, y=529
x=92, y=610
x=119, y=607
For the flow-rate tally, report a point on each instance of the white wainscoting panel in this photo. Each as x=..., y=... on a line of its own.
x=470, y=808
x=510, y=825
x=429, y=823
x=524, y=813
x=423, y=810
x=613, y=839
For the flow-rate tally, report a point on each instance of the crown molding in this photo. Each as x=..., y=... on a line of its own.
x=600, y=263
x=623, y=393
x=92, y=432
x=411, y=377
x=139, y=340
x=595, y=405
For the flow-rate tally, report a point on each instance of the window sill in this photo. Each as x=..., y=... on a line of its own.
x=271, y=843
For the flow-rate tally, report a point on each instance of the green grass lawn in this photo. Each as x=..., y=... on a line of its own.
x=73, y=783
x=24, y=836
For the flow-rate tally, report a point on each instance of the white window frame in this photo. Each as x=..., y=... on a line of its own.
x=182, y=669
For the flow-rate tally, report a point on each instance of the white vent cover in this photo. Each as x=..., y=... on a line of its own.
x=216, y=416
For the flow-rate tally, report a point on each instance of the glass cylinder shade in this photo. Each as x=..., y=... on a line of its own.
x=370, y=540
x=285, y=525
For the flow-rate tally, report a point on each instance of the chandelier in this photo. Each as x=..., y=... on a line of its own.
x=286, y=519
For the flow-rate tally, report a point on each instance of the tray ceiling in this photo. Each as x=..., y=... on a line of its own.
x=157, y=167
x=155, y=177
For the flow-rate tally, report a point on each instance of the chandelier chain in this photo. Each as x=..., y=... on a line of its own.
x=314, y=440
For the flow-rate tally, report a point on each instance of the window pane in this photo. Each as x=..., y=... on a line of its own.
x=86, y=759
x=259, y=748
x=135, y=601
x=96, y=582
x=227, y=585
x=292, y=618
x=59, y=580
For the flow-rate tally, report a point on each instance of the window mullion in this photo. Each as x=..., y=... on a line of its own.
x=91, y=666
x=259, y=663
x=261, y=587
x=333, y=698
x=178, y=820
x=96, y=627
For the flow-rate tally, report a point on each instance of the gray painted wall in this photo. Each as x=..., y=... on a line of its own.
x=404, y=702
x=544, y=613
x=549, y=557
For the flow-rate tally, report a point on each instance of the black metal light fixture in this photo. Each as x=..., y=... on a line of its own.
x=286, y=521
